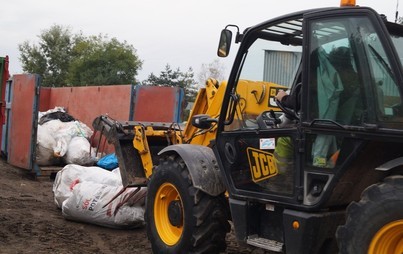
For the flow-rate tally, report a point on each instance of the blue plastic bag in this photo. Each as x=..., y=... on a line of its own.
x=108, y=162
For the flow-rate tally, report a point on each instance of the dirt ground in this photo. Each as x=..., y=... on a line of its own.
x=30, y=222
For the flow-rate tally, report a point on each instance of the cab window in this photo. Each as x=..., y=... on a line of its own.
x=351, y=79
x=268, y=66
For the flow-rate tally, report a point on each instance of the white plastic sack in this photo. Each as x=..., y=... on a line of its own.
x=71, y=175
x=67, y=132
x=88, y=201
x=56, y=128
x=78, y=152
x=53, y=126
x=57, y=135
x=44, y=148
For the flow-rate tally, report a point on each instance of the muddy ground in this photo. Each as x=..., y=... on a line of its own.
x=30, y=222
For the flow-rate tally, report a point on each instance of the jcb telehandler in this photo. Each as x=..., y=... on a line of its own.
x=138, y=145
x=328, y=180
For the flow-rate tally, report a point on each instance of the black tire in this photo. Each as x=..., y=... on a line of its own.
x=372, y=219
x=199, y=227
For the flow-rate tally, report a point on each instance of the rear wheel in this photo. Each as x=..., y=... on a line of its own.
x=375, y=223
x=181, y=218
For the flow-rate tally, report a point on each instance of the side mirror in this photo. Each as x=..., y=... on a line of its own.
x=203, y=121
x=225, y=43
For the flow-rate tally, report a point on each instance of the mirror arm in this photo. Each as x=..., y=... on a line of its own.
x=238, y=37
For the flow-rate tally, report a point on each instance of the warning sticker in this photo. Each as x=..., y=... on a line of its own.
x=267, y=143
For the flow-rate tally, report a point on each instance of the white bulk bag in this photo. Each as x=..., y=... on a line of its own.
x=78, y=152
x=89, y=203
x=73, y=174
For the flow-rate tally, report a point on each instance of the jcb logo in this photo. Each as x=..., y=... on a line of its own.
x=262, y=164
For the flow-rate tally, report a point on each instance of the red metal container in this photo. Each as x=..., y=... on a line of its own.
x=121, y=102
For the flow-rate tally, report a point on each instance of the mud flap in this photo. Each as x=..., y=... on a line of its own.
x=202, y=165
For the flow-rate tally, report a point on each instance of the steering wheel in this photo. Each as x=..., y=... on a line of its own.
x=287, y=111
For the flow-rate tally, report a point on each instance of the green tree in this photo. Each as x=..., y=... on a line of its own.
x=64, y=59
x=50, y=58
x=170, y=77
x=176, y=78
x=98, y=60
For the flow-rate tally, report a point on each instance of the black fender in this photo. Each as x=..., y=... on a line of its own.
x=202, y=165
x=390, y=164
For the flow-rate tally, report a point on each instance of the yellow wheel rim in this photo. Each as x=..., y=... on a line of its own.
x=388, y=240
x=169, y=234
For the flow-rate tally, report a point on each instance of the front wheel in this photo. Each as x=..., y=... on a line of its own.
x=375, y=223
x=181, y=218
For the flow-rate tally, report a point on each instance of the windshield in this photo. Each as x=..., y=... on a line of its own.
x=272, y=62
x=269, y=65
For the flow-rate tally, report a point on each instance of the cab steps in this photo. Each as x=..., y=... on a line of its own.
x=264, y=243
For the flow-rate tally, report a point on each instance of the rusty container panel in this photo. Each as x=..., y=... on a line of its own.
x=23, y=118
x=44, y=98
x=157, y=104
x=86, y=103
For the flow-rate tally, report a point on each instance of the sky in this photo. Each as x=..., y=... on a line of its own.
x=181, y=33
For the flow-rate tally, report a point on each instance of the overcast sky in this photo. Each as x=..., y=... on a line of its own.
x=182, y=33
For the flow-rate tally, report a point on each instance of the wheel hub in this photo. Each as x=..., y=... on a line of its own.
x=175, y=214
x=389, y=239
x=168, y=214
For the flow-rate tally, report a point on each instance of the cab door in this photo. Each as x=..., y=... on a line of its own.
x=257, y=147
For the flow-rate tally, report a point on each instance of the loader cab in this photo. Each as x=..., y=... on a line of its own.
x=345, y=61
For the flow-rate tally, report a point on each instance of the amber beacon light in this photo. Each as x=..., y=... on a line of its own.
x=347, y=3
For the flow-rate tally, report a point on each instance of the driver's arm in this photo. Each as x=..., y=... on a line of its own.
x=289, y=100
